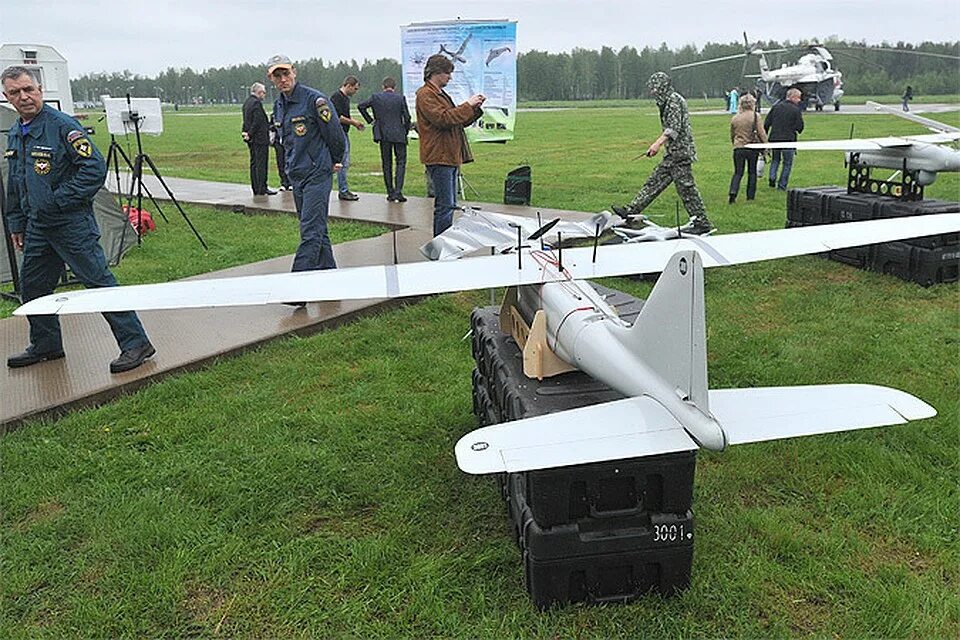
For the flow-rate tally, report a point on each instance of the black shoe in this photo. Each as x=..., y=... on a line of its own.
x=298, y=305
x=269, y=192
x=771, y=183
x=391, y=198
x=401, y=198
x=348, y=195
x=132, y=358
x=697, y=227
x=733, y=198
x=623, y=212
x=30, y=357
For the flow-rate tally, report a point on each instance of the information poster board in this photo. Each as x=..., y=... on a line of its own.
x=484, y=53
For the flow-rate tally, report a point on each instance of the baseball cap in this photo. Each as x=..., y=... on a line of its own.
x=278, y=62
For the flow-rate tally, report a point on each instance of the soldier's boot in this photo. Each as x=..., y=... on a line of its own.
x=624, y=212
x=699, y=226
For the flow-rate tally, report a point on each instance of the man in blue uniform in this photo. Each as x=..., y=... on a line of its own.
x=55, y=171
x=314, y=146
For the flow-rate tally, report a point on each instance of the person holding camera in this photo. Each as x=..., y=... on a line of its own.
x=443, y=141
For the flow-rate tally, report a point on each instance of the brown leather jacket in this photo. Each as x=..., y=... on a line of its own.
x=440, y=126
x=742, y=129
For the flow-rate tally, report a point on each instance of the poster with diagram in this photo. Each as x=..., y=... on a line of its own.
x=484, y=54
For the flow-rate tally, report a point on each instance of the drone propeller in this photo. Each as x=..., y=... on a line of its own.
x=536, y=235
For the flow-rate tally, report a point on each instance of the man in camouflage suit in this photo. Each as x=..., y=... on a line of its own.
x=678, y=158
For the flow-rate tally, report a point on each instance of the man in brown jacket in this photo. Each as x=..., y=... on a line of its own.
x=443, y=142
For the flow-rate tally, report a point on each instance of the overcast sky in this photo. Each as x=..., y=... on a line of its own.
x=148, y=37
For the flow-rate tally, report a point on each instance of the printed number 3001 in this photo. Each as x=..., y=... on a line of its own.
x=670, y=533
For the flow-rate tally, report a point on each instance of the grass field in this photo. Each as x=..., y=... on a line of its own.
x=309, y=489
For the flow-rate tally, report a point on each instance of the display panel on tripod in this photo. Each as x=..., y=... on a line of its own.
x=121, y=112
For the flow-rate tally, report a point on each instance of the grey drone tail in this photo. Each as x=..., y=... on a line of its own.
x=670, y=332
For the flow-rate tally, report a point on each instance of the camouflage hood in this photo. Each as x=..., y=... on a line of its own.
x=660, y=86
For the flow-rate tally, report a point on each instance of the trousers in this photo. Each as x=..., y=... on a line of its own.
x=342, y=173
x=787, y=156
x=444, y=178
x=744, y=160
x=76, y=243
x=681, y=175
x=259, y=158
x=393, y=182
x=312, y=198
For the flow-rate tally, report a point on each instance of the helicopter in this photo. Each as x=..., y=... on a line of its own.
x=814, y=74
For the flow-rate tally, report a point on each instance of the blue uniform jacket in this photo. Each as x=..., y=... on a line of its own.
x=55, y=171
x=311, y=132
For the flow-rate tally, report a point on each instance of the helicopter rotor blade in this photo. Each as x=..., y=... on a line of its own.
x=892, y=50
x=843, y=52
x=711, y=61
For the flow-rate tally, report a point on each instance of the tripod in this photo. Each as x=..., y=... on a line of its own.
x=137, y=179
x=461, y=183
x=113, y=159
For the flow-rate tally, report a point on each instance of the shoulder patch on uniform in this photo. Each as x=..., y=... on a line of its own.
x=83, y=147
x=73, y=135
x=321, y=101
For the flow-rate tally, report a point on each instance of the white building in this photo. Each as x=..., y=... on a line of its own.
x=49, y=66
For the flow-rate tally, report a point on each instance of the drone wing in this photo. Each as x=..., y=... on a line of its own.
x=933, y=125
x=861, y=144
x=642, y=427
x=422, y=278
x=628, y=428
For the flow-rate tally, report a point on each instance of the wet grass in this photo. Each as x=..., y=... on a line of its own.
x=309, y=489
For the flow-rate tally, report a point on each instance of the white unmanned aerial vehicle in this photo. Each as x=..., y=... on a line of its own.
x=919, y=156
x=659, y=361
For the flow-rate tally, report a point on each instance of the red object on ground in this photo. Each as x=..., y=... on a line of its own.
x=140, y=219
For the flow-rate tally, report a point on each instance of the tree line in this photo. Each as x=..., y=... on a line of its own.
x=581, y=74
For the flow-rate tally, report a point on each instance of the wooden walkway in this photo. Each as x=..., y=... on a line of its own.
x=191, y=338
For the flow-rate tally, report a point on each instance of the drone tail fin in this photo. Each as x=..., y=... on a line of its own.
x=670, y=332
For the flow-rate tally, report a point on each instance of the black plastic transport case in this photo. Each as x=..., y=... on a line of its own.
x=926, y=261
x=602, y=532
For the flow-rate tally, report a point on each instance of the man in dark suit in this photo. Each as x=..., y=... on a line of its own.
x=391, y=122
x=256, y=133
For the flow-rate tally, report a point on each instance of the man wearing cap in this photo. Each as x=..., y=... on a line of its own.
x=55, y=172
x=314, y=145
x=676, y=166
x=443, y=142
